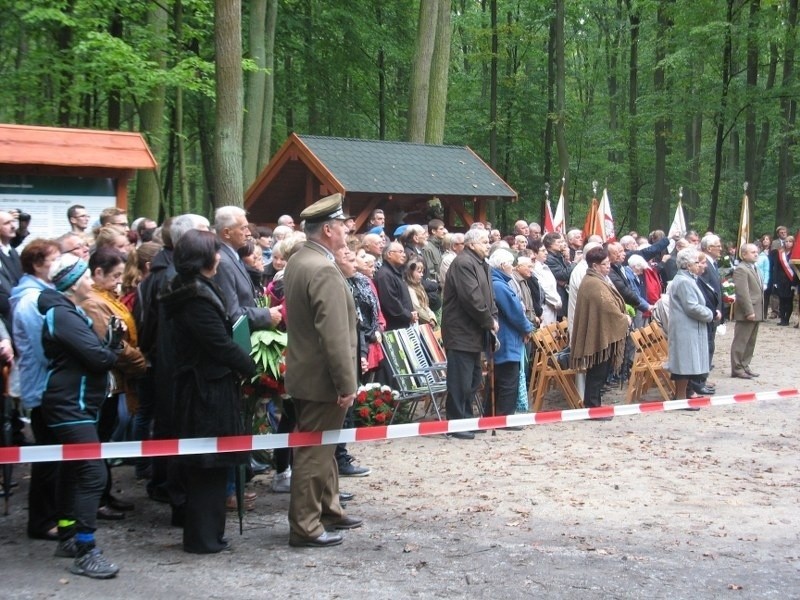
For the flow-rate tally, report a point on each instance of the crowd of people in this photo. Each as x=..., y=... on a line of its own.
x=125, y=332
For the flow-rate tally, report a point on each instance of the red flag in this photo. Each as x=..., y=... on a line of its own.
x=558, y=219
x=548, y=217
x=593, y=225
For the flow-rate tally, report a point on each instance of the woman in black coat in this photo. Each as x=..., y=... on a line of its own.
x=208, y=366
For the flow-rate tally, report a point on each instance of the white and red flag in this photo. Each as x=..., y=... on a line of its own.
x=606, y=218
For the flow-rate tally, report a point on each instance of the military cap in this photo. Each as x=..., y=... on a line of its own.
x=329, y=207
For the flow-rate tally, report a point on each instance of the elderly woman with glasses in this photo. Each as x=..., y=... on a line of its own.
x=688, y=333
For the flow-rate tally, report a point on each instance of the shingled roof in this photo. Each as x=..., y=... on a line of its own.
x=404, y=168
x=370, y=174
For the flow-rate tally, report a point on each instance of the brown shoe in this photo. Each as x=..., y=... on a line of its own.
x=751, y=373
x=741, y=375
x=344, y=523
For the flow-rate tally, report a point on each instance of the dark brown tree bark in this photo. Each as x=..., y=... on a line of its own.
x=784, y=202
x=228, y=189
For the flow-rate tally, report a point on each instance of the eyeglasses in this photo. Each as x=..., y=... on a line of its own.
x=80, y=248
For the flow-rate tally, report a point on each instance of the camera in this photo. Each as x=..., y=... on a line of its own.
x=22, y=216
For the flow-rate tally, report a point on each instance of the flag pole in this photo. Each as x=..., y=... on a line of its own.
x=566, y=213
x=744, y=221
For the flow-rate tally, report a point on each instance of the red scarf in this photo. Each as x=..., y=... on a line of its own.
x=783, y=257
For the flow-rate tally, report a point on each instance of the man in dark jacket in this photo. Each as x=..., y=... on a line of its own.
x=468, y=319
x=393, y=292
x=561, y=269
x=616, y=253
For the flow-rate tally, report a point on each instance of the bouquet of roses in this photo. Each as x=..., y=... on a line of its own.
x=728, y=291
x=374, y=404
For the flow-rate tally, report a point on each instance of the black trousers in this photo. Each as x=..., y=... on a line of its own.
x=506, y=390
x=81, y=482
x=42, y=507
x=463, y=381
x=282, y=457
x=595, y=379
x=204, y=525
x=785, y=308
x=106, y=424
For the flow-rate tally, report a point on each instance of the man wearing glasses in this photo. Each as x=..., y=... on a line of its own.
x=74, y=243
x=392, y=290
x=115, y=217
x=78, y=219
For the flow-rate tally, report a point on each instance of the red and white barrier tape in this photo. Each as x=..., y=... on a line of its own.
x=30, y=454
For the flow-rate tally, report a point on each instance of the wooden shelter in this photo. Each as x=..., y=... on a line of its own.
x=55, y=151
x=393, y=176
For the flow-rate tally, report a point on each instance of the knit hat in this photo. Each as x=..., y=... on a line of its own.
x=68, y=273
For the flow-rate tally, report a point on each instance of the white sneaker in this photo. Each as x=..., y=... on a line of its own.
x=282, y=482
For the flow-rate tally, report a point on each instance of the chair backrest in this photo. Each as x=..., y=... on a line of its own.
x=431, y=344
x=402, y=362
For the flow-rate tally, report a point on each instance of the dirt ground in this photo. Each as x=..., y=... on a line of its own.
x=663, y=505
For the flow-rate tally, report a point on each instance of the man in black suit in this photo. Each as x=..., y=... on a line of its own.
x=711, y=287
x=10, y=265
x=230, y=224
x=9, y=259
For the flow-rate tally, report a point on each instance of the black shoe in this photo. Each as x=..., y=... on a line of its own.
x=120, y=504
x=344, y=523
x=462, y=435
x=346, y=496
x=783, y=324
x=178, y=518
x=348, y=469
x=477, y=431
x=705, y=391
x=513, y=428
x=323, y=541
x=609, y=418
x=158, y=493
x=106, y=513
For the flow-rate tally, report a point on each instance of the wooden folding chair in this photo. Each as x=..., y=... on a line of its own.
x=550, y=341
x=649, y=362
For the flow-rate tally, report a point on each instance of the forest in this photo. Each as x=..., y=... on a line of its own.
x=643, y=96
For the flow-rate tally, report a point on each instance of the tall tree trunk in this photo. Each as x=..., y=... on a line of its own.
x=660, y=209
x=421, y=71
x=254, y=99
x=115, y=29
x=230, y=103
x=784, y=203
x=633, y=126
x=493, y=85
x=151, y=116
x=693, y=139
x=549, y=135
x=265, y=151
x=180, y=138
x=727, y=51
x=561, y=102
x=440, y=67
x=750, y=142
x=66, y=76
x=381, y=63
